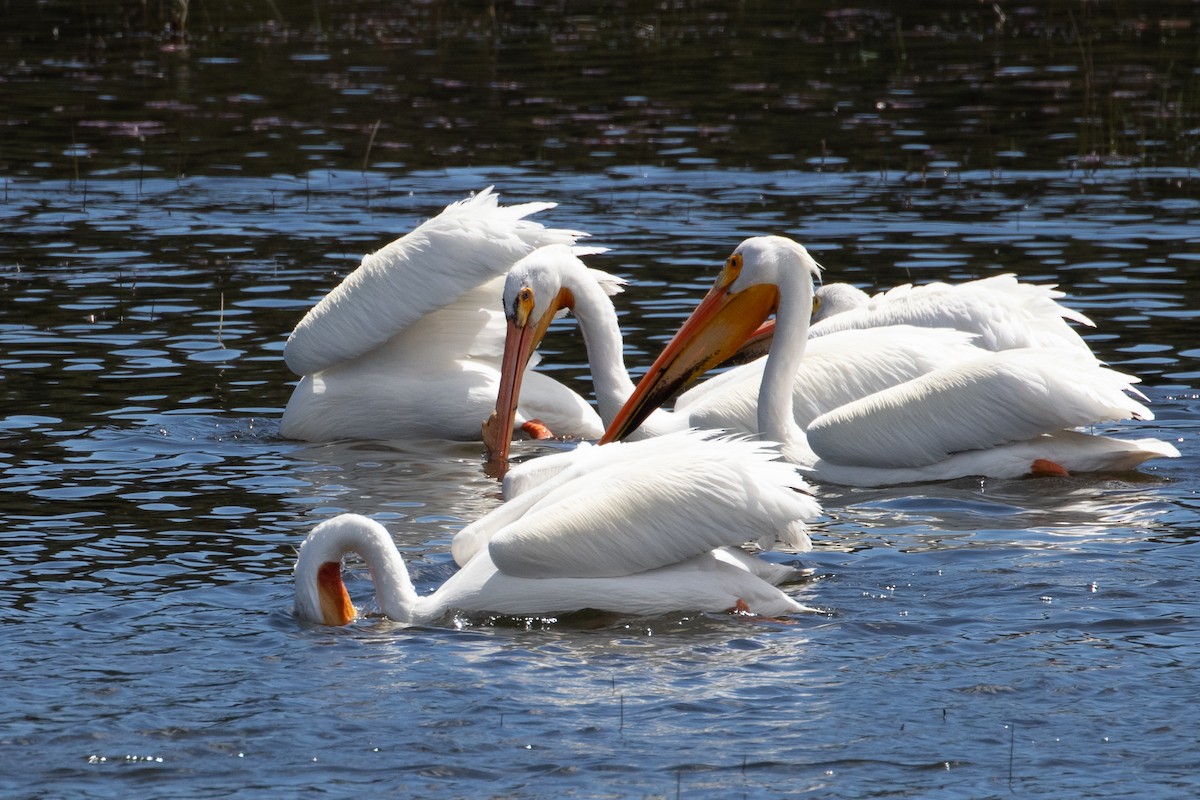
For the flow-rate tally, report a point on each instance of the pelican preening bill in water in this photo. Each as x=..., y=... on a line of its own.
x=536, y=290
x=655, y=531
x=409, y=344
x=1004, y=414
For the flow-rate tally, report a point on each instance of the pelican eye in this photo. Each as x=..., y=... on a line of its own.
x=733, y=268
x=524, y=299
x=522, y=308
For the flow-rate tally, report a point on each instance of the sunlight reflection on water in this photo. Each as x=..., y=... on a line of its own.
x=151, y=513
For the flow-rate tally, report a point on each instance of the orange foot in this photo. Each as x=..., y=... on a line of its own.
x=1044, y=467
x=537, y=429
x=741, y=609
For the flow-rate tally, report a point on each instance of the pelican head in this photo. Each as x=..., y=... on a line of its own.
x=533, y=296
x=321, y=595
x=836, y=298
x=747, y=291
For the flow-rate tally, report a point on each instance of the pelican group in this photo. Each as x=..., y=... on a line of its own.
x=441, y=327
x=1004, y=414
x=859, y=348
x=554, y=278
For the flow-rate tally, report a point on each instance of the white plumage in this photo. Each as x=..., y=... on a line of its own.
x=984, y=402
x=839, y=368
x=409, y=344
x=1002, y=414
x=1001, y=311
x=649, y=532
x=678, y=484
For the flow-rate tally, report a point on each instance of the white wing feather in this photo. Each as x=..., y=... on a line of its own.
x=1004, y=312
x=526, y=484
x=470, y=242
x=656, y=507
x=986, y=402
x=836, y=370
x=676, y=482
x=611, y=284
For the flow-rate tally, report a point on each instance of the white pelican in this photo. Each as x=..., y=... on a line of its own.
x=556, y=477
x=536, y=290
x=553, y=278
x=1003, y=414
x=1003, y=312
x=409, y=344
x=641, y=536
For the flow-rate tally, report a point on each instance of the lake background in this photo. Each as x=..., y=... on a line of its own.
x=179, y=182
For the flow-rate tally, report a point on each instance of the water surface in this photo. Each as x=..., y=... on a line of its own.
x=176, y=193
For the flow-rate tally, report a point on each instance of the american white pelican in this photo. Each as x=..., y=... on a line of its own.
x=528, y=483
x=1003, y=414
x=409, y=344
x=640, y=536
x=1003, y=312
x=536, y=290
x=559, y=477
x=553, y=278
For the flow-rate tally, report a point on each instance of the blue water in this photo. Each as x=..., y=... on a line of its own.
x=976, y=638
x=171, y=204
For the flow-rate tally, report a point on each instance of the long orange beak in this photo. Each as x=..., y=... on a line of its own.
x=336, y=608
x=521, y=340
x=718, y=326
x=757, y=345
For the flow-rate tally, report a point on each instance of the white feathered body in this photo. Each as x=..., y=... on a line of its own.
x=687, y=486
x=837, y=369
x=1001, y=311
x=647, y=532
x=1005, y=413
x=409, y=344
x=703, y=583
x=995, y=415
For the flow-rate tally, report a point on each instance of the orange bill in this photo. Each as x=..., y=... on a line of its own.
x=755, y=347
x=721, y=323
x=521, y=340
x=336, y=608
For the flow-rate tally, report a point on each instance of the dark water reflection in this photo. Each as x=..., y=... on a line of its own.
x=286, y=87
x=175, y=193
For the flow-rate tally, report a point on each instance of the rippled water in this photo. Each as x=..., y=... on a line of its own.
x=977, y=639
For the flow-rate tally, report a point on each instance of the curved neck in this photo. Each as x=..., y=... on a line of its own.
x=775, y=416
x=393, y=588
x=333, y=539
x=602, y=339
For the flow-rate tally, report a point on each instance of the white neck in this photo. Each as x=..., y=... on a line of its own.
x=602, y=338
x=351, y=533
x=775, y=416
